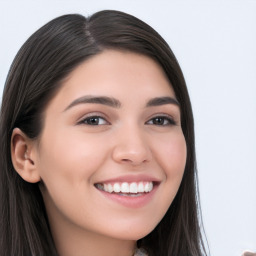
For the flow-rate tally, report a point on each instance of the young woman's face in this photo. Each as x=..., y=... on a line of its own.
x=113, y=126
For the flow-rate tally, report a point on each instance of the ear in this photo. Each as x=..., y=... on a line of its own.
x=23, y=156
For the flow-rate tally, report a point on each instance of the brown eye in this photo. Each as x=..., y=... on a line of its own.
x=161, y=121
x=94, y=120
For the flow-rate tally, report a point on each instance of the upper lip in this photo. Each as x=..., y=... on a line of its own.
x=130, y=178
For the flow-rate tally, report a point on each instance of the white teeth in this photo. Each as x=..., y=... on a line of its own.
x=147, y=187
x=125, y=187
x=141, y=187
x=109, y=188
x=133, y=188
x=117, y=188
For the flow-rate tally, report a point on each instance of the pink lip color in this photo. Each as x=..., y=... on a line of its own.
x=128, y=201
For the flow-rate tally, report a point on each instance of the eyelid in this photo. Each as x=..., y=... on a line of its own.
x=166, y=116
x=93, y=114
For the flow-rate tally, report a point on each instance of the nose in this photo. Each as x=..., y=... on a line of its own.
x=131, y=147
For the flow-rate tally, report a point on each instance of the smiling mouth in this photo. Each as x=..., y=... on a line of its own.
x=132, y=189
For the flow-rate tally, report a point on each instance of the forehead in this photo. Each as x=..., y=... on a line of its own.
x=120, y=74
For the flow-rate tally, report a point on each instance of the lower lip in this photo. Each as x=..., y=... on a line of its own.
x=131, y=201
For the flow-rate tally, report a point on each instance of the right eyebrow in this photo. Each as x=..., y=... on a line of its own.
x=158, y=101
x=104, y=100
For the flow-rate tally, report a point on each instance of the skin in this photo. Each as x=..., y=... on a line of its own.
x=72, y=155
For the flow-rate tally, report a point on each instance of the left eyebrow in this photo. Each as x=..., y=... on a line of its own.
x=158, y=101
x=103, y=100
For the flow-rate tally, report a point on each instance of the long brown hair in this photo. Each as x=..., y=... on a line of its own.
x=45, y=59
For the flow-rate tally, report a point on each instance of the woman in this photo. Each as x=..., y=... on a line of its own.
x=98, y=144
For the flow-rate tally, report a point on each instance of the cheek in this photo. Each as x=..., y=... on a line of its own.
x=67, y=161
x=172, y=155
x=67, y=164
x=70, y=153
x=172, y=160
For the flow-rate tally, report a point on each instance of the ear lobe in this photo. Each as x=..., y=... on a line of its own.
x=22, y=149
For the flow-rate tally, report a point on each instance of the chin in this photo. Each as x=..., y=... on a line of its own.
x=133, y=233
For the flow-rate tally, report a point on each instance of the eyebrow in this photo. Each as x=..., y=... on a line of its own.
x=112, y=102
x=158, y=101
x=104, y=100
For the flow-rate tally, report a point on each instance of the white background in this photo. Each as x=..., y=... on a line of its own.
x=215, y=43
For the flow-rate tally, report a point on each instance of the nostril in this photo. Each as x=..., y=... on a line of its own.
x=126, y=160
x=134, y=161
x=131, y=152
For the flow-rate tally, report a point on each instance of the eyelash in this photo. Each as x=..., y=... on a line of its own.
x=164, y=121
x=86, y=120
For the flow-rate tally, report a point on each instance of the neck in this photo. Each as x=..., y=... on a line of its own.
x=77, y=242
x=94, y=245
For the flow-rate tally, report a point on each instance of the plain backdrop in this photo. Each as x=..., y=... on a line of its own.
x=215, y=43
